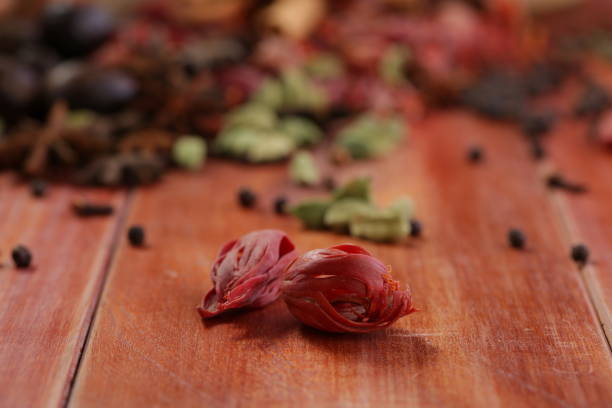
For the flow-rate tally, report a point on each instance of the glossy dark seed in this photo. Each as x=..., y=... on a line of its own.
x=416, y=228
x=21, y=256
x=593, y=100
x=280, y=205
x=475, y=154
x=537, y=124
x=106, y=91
x=246, y=197
x=516, y=238
x=38, y=188
x=580, y=254
x=76, y=30
x=136, y=235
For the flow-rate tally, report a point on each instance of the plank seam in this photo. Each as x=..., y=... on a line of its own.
x=92, y=314
x=594, y=296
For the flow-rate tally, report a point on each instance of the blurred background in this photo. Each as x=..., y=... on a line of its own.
x=117, y=92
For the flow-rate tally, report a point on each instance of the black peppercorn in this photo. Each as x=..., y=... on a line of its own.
x=280, y=205
x=580, y=254
x=21, y=256
x=416, y=228
x=246, y=197
x=38, y=188
x=516, y=238
x=537, y=124
x=475, y=154
x=136, y=235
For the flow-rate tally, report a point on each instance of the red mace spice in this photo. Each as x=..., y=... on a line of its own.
x=344, y=289
x=248, y=272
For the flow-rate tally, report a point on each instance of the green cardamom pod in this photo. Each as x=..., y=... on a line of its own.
x=305, y=132
x=303, y=169
x=371, y=136
x=340, y=213
x=270, y=94
x=358, y=188
x=252, y=114
x=189, y=152
x=386, y=225
x=312, y=213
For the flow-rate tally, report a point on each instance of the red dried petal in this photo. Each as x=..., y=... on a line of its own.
x=248, y=272
x=344, y=289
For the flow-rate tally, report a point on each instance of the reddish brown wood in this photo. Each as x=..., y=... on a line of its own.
x=588, y=217
x=46, y=310
x=498, y=327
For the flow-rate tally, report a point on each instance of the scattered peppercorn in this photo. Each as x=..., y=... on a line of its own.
x=593, y=100
x=329, y=183
x=88, y=209
x=516, y=238
x=38, y=188
x=416, y=228
x=537, y=124
x=475, y=154
x=246, y=197
x=580, y=254
x=22, y=257
x=558, y=181
x=136, y=235
x=280, y=205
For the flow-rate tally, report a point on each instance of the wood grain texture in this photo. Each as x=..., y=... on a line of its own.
x=588, y=217
x=46, y=310
x=497, y=327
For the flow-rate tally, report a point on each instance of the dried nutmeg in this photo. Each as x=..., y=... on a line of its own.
x=344, y=289
x=248, y=272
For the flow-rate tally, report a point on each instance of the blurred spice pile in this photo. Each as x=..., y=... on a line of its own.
x=103, y=100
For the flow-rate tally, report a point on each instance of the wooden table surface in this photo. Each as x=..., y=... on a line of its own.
x=97, y=323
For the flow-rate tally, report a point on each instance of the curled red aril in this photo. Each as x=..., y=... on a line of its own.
x=248, y=272
x=344, y=289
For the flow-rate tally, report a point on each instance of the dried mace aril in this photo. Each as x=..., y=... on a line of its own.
x=21, y=256
x=248, y=272
x=344, y=289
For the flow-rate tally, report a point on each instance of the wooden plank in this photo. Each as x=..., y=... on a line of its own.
x=498, y=327
x=46, y=311
x=588, y=217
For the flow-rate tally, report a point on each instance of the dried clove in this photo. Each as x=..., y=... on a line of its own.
x=89, y=209
x=557, y=181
